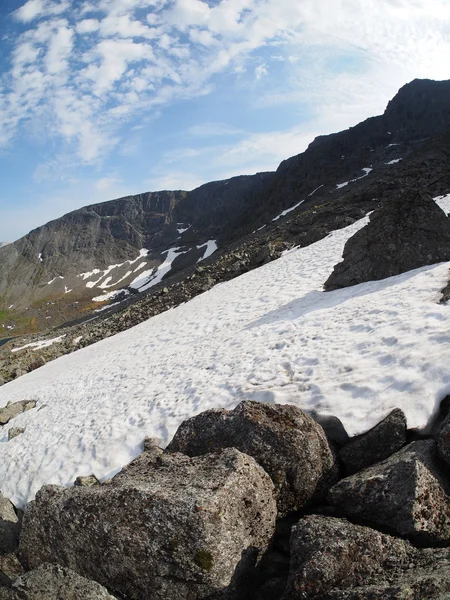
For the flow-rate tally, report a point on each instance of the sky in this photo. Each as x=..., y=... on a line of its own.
x=107, y=98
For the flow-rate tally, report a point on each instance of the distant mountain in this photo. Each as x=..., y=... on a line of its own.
x=106, y=253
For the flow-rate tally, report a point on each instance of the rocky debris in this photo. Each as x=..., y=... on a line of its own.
x=13, y=409
x=14, y=432
x=375, y=445
x=407, y=493
x=9, y=527
x=36, y=364
x=332, y=558
x=53, y=582
x=409, y=232
x=10, y=568
x=286, y=442
x=87, y=481
x=181, y=527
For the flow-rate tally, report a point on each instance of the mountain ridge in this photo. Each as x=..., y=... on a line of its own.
x=58, y=271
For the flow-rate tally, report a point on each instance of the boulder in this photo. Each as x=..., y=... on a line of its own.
x=181, y=527
x=9, y=526
x=404, y=234
x=334, y=559
x=407, y=493
x=14, y=432
x=11, y=410
x=290, y=446
x=375, y=445
x=52, y=582
x=443, y=440
x=86, y=481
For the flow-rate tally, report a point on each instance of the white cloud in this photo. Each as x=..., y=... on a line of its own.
x=36, y=9
x=87, y=26
x=59, y=49
x=137, y=59
x=176, y=180
x=106, y=183
x=260, y=72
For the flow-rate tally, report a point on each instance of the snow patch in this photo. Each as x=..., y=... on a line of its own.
x=366, y=170
x=394, y=161
x=211, y=247
x=39, y=345
x=110, y=295
x=288, y=210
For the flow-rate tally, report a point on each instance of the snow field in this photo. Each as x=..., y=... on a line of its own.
x=271, y=335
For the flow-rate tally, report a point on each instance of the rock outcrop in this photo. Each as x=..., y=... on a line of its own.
x=286, y=442
x=409, y=232
x=178, y=526
x=406, y=493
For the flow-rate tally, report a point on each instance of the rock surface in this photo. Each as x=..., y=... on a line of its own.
x=10, y=411
x=443, y=440
x=375, y=445
x=9, y=526
x=410, y=232
x=52, y=582
x=178, y=526
x=408, y=493
x=334, y=559
x=287, y=443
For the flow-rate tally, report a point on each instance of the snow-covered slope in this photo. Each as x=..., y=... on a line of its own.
x=270, y=335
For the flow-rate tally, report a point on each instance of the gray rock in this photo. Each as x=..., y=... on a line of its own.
x=52, y=582
x=443, y=440
x=178, y=526
x=410, y=232
x=290, y=446
x=14, y=432
x=9, y=527
x=36, y=364
x=375, y=445
x=407, y=493
x=87, y=481
x=13, y=409
x=334, y=559
x=10, y=568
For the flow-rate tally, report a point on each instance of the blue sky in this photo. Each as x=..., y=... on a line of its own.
x=105, y=98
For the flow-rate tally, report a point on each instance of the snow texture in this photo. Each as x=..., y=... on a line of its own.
x=271, y=335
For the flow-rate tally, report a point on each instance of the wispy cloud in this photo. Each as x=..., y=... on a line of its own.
x=96, y=66
x=88, y=81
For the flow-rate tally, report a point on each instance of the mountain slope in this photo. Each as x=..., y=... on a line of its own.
x=106, y=253
x=270, y=335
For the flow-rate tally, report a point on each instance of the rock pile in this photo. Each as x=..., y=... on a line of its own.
x=255, y=503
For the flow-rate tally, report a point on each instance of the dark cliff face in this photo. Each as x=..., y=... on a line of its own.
x=414, y=128
x=421, y=109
